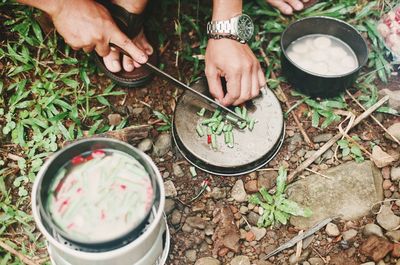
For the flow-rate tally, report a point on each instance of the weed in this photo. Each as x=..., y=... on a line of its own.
x=351, y=148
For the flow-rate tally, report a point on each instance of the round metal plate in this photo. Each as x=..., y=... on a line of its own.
x=252, y=149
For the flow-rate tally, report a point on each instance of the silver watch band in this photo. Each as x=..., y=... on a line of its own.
x=223, y=26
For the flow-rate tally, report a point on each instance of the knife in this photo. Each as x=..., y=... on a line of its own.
x=210, y=101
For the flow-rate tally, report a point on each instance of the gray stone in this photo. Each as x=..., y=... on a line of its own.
x=176, y=217
x=387, y=219
x=351, y=191
x=321, y=138
x=252, y=218
x=372, y=229
x=332, y=230
x=267, y=179
x=240, y=260
x=114, y=119
x=306, y=263
x=368, y=263
x=394, y=129
x=349, y=234
x=176, y=168
x=170, y=190
x=238, y=193
x=135, y=111
x=259, y=232
x=316, y=261
x=218, y=193
x=309, y=154
x=207, y=261
x=394, y=97
x=162, y=144
x=395, y=173
x=169, y=206
x=380, y=157
x=294, y=142
x=393, y=235
x=196, y=222
x=187, y=228
x=191, y=255
x=328, y=154
x=307, y=241
x=145, y=145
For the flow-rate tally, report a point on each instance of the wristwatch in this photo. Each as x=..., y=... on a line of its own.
x=240, y=28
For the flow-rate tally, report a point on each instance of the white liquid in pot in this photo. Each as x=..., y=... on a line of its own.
x=323, y=55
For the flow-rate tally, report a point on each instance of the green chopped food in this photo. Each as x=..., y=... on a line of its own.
x=193, y=171
x=199, y=130
x=201, y=112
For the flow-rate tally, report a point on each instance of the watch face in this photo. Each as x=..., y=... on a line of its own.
x=245, y=27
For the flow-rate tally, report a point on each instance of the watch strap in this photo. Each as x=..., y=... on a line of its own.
x=223, y=26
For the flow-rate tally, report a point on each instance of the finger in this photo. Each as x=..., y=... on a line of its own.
x=127, y=63
x=245, y=89
x=125, y=43
x=261, y=78
x=112, y=61
x=145, y=45
x=296, y=4
x=88, y=48
x=233, y=87
x=102, y=49
x=214, y=82
x=75, y=48
x=255, y=84
x=282, y=6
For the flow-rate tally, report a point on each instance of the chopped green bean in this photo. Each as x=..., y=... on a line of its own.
x=244, y=112
x=201, y=112
x=193, y=171
x=207, y=121
x=251, y=124
x=231, y=118
x=231, y=141
x=220, y=128
x=214, y=141
x=226, y=128
x=238, y=111
x=214, y=127
x=199, y=130
x=226, y=137
x=242, y=125
x=216, y=113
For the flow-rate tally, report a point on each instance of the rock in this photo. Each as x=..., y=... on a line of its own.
x=196, y=222
x=386, y=184
x=387, y=219
x=267, y=179
x=176, y=168
x=394, y=97
x=332, y=230
x=376, y=248
x=135, y=111
x=198, y=207
x=293, y=259
x=394, y=129
x=252, y=218
x=226, y=234
x=240, y=260
x=238, y=193
x=309, y=154
x=170, y=190
x=380, y=157
x=349, y=234
x=316, y=261
x=262, y=262
x=307, y=241
x=294, y=142
x=169, y=206
x=162, y=144
x=395, y=173
x=328, y=154
x=114, y=119
x=368, y=263
x=187, y=228
x=207, y=261
x=259, y=232
x=251, y=186
x=176, y=217
x=393, y=235
x=351, y=191
x=250, y=236
x=372, y=229
x=325, y=137
x=218, y=193
x=396, y=250
x=145, y=145
x=191, y=255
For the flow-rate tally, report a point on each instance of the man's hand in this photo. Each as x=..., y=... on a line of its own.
x=87, y=25
x=237, y=63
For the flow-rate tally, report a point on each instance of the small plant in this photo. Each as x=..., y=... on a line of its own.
x=351, y=148
x=276, y=207
x=165, y=118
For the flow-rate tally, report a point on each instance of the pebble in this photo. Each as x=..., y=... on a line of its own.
x=187, y=228
x=324, y=137
x=170, y=190
x=207, y=261
x=198, y=207
x=114, y=119
x=395, y=173
x=380, y=157
x=295, y=141
x=135, y=111
x=259, y=232
x=316, y=261
x=238, y=193
x=191, y=255
x=209, y=230
x=169, y=206
x=162, y=144
x=176, y=168
x=243, y=209
x=387, y=219
x=252, y=218
x=145, y=145
x=196, y=222
x=328, y=154
x=249, y=236
x=393, y=235
x=394, y=129
x=218, y=193
x=372, y=229
x=267, y=179
x=386, y=173
x=251, y=186
x=386, y=184
x=176, y=217
x=332, y=230
x=387, y=193
x=301, y=153
x=349, y=234
x=240, y=260
x=309, y=154
x=368, y=263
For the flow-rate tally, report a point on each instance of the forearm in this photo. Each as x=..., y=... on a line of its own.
x=48, y=6
x=226, y=9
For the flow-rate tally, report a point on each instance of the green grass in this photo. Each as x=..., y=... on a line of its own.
x=50, y=94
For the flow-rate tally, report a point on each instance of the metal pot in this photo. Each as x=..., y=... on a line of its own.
x=321, y=85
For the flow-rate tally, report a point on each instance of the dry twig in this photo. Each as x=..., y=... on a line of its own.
x=19, y=255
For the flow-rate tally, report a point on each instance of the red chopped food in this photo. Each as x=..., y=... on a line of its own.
x=78, y=160
x=389, y=29
x=209, y=138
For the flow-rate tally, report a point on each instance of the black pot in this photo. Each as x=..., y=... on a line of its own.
x=312, y=84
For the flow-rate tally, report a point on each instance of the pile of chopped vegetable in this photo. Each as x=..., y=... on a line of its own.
x=220, y=124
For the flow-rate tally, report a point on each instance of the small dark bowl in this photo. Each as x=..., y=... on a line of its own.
x=312, y=84
x=58, y=160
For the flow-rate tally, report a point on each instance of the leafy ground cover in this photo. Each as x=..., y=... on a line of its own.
x=50, y=94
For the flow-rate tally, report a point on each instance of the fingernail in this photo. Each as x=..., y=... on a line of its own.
x=129, y=67
x=143, y=58
x=299, y=6
x=115, y=64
